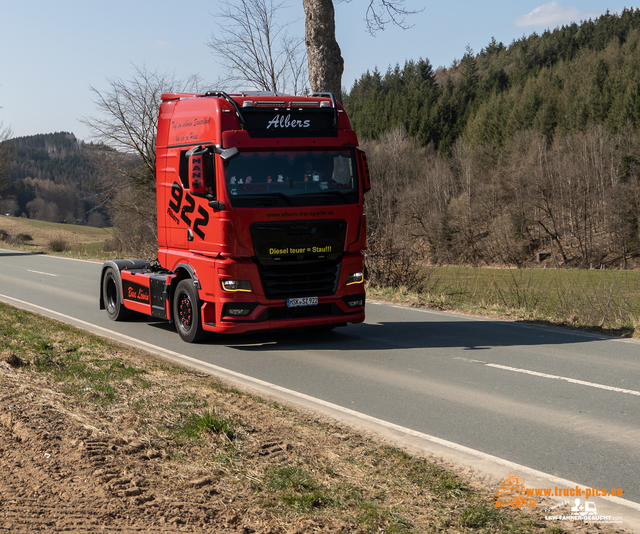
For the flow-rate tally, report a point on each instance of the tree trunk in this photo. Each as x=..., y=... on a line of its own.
x=325, y=60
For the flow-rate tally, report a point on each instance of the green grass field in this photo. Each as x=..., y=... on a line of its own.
x=79, y=229
x=603, y=300
x=74, y=240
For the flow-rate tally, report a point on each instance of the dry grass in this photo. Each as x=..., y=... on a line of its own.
x=45, y=237
x=256, y=465
x=605, y=301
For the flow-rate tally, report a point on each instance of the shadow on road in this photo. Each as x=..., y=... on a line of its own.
x=470, y=335
x=4, y=253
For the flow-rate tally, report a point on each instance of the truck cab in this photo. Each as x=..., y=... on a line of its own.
x=260, y=217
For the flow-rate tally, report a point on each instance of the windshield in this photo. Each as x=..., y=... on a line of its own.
x=292, y=178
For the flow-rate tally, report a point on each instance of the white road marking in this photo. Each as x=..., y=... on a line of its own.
x=216, y=370
x=554, y=377
x=40, y=272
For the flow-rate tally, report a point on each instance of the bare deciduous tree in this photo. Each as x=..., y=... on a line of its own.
x=394, y=256
x=325, y=59
x=127, y=122
x=128, y=113
x=323, y=52
x=5, y=159
x=255, y=48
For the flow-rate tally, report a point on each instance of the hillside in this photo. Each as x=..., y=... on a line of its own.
x=561, y=81
x=520, y=155
x=57, y=178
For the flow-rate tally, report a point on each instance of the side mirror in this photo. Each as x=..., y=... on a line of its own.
x=217, y=205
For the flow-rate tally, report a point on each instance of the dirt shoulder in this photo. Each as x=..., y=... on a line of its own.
x=96, y=437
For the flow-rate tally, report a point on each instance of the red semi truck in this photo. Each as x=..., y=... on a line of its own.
x=260, y=218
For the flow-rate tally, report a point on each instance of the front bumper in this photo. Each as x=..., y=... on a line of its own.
x=328, y=311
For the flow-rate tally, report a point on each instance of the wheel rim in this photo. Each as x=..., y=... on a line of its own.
x=185, y=312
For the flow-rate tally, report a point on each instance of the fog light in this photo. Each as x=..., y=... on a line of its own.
x=233, y=310
x=355, y=303
x=236, y=285
x=355, y=278
x=238, y=311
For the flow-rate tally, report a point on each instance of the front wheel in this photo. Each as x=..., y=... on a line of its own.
x=112, y=297
x=186, y=312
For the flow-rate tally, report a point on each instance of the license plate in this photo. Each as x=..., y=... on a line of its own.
x=304, y=301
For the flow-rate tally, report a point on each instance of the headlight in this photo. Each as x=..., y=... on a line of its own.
x=236, y=285
x=355, y=278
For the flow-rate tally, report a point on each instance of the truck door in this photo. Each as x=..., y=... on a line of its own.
x=190, y=216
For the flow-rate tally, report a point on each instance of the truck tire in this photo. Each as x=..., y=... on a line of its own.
x=186, y=312
x=112, y=296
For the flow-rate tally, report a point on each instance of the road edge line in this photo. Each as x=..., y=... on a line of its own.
x=246, y=379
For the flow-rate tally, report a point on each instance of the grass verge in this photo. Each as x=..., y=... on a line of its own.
x=42, y=237
x=272, y=463
x=596, y=300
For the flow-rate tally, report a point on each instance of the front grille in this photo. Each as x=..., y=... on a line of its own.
x=316, y=279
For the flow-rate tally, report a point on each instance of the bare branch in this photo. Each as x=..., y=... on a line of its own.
x=127, y=121
x=382, y=12
x=256, y=49
x=129, y=112
x=326, y=64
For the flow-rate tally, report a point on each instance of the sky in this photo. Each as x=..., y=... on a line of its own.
x=55, y=52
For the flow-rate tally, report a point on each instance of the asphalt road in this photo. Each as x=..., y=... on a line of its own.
x=560, y=402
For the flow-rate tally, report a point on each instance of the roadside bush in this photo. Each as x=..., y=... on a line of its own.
x=394, y=257
x=394, y=263
x=19, y=239
x=58, y=245
x=112, y=244
x=134, y=222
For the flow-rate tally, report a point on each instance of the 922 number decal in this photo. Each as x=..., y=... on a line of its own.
x=177, y=195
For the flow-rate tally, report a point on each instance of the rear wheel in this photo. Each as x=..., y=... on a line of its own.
x=186, y=312
x=112, y=297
